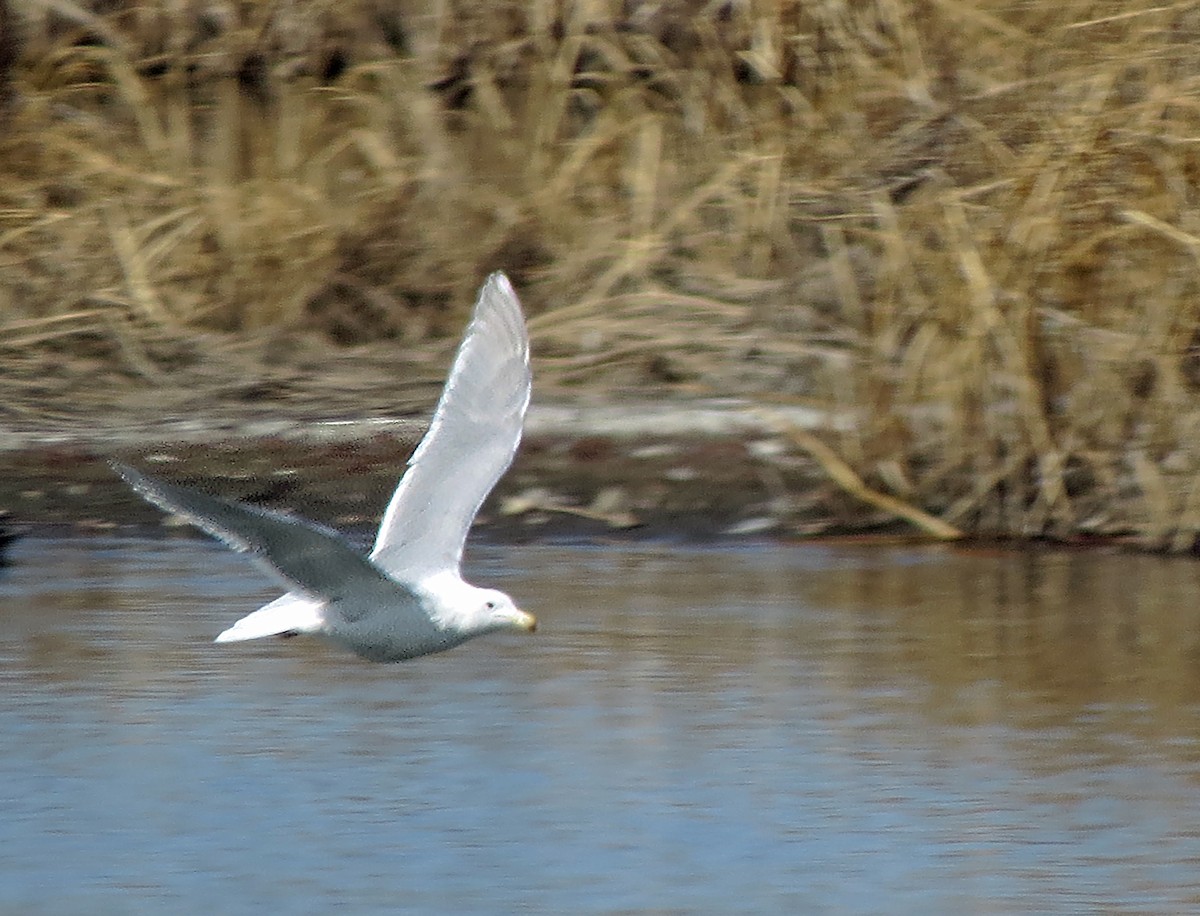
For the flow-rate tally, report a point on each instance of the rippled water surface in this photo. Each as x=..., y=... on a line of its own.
x=802, y=729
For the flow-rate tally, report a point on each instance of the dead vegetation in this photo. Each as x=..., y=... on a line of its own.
x=972, y=227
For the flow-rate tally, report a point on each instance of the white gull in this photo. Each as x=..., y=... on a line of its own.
x=408, y=597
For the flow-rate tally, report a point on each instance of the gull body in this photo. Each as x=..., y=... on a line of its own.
x=408, y=597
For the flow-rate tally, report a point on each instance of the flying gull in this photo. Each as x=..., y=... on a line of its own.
x=407, y=598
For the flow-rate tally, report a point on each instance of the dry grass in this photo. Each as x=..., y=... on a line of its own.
x=974, y=225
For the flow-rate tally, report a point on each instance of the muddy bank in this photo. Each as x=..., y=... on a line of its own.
x=694, y=471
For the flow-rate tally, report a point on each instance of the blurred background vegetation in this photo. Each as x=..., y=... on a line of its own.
x=968, y=228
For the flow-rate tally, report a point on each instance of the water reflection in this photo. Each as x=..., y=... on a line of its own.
x=815, y=728
x=1035, y=639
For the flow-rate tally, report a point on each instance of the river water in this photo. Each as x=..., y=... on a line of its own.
x=806, y=729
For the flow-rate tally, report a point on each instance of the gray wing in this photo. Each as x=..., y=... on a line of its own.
x=302, y=555
x=470, y=443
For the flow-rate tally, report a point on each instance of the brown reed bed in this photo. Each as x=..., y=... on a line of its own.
x=971, y=227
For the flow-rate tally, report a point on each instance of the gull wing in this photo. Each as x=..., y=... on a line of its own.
x=302, y=555
x=470, y=443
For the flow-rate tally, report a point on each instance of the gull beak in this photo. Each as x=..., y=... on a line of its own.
x=526, y=622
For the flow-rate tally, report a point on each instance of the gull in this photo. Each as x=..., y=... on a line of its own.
x=407, y=598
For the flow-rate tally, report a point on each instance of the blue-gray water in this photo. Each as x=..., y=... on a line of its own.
x=803, y=729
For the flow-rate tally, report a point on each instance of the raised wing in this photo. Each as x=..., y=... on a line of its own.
x=302, y=555
x=470, y=443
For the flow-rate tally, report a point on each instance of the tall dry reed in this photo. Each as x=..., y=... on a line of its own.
x=970, y=226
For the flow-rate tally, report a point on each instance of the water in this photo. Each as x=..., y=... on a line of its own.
x=804, y=729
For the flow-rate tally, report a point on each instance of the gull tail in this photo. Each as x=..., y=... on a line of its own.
x=288, y=614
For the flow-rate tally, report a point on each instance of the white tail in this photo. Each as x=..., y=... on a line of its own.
x=290, y=613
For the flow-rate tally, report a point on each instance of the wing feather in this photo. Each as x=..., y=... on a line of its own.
x=470, y=443
x=302, y=555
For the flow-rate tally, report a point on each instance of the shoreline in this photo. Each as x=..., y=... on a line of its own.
x=701, y=471
x=695, y=472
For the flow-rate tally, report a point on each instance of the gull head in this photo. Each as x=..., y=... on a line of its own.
x=496, y=611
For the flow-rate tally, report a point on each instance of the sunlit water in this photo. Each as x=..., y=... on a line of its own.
x=802, y=729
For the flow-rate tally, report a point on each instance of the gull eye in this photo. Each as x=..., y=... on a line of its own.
x=491, y=605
